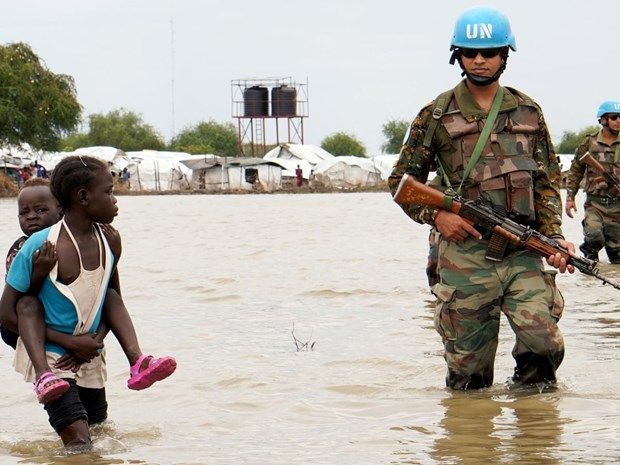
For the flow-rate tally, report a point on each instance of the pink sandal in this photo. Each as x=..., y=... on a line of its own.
x=49, y=387
x=156, y=370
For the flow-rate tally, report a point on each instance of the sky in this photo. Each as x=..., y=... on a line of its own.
x=365, y=62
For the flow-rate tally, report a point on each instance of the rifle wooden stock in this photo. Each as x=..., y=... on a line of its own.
x=412, y=192
x=590, y=161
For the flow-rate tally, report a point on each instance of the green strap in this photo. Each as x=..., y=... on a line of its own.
x=484, y=135
x=441, y=104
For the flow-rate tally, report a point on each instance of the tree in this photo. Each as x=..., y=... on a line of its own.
x=394, y=131
x=119, y=128
x=343, y=143
x=37, y=107
x=207, y=137
x=570, y=140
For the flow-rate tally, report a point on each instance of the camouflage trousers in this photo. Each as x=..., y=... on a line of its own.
x=601, y=228
x=472, y=294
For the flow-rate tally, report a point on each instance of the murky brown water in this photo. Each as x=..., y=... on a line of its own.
x=219, y=281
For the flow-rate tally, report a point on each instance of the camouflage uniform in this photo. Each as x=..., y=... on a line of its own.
x=601, y=224
x=472, y=291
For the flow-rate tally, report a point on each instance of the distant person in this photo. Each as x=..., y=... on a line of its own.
x=25, y=174
x=299, y=176
x=125, y=177
x=509, y=166
x=40, y=170
x=601, y=224
x=72, y=296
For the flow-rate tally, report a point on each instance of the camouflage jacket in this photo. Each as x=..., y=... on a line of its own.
x=600, y=151
x=416, y=159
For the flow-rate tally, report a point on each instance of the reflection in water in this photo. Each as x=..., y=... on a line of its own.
x=491, y=428
x=499, y=429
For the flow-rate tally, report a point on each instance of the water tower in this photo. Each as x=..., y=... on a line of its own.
x=264, y=105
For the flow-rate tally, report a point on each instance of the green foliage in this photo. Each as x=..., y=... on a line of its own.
x=394, y=131
x=343, y=143
x=207, y=137
x=119, y=128
x=571, y=140
x=124, y=130
x=37, y=107
x=74, y=142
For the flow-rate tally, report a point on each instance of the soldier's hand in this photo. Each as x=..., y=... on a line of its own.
x=558, y=261
x=454, y=228
x=570, y=205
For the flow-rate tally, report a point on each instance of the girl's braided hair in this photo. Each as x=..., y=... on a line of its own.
x=72, y=173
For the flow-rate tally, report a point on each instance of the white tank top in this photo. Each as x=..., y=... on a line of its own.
x=85, y=288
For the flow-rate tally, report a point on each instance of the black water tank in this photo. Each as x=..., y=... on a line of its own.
x=283, y=101
x=256, y=101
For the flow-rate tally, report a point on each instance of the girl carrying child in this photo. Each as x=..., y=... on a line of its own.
x=58, y=347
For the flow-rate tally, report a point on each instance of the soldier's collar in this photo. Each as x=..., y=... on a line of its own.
x=471, y=110
x=600, y=140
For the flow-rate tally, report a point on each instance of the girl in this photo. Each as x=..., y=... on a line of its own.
x=73, y=296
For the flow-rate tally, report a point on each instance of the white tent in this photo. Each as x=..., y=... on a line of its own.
x=313, y=154
x=385, y=164
x=221, y=173
x=565, y=160
x=348, y=172
x=160, y=171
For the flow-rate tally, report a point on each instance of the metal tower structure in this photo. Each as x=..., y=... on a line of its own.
x=264, y=105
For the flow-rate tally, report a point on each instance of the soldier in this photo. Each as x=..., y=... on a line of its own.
x=514, y=169
x=601, y=224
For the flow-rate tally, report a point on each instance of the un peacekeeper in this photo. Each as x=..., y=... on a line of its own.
x=516, y=172
x=601, y=224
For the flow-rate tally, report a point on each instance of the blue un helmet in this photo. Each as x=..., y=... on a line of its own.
x=482, y=27
x=479, y=28
x=609, y=106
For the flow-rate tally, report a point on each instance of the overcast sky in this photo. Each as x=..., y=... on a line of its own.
x=365, y=62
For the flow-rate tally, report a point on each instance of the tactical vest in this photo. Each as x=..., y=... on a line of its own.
x=605, y=155
x=503, y=175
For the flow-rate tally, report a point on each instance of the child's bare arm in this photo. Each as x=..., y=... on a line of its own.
x=114, y=239
x=8, y=302
x=43, y=261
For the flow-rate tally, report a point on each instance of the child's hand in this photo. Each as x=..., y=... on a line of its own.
x=68, y=362
x=85, y=347
x=114, y=239
x=44, y=259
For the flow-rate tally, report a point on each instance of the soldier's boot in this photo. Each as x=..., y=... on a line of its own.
x=462, y=382
x=534, y=368
x=614, y=257
x=588, y=252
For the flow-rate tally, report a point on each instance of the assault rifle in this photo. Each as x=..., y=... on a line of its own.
x=414, y=192
x=610, y=179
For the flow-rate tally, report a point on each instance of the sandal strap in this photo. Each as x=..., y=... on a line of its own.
x=135, y=368
x=44, y=378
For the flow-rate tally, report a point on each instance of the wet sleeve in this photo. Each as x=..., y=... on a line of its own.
x=576, y=171
x=547, y=182
x=416, y=160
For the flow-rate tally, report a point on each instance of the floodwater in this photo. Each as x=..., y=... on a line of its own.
x=225, y=283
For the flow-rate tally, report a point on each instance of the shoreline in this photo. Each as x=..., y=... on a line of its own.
x=11, y=190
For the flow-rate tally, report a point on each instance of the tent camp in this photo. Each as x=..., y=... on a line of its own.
x=313, y=154
x=288, y=156
x=158, y=171
x=221, y=173
x=347, y=172
x=385, y=164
